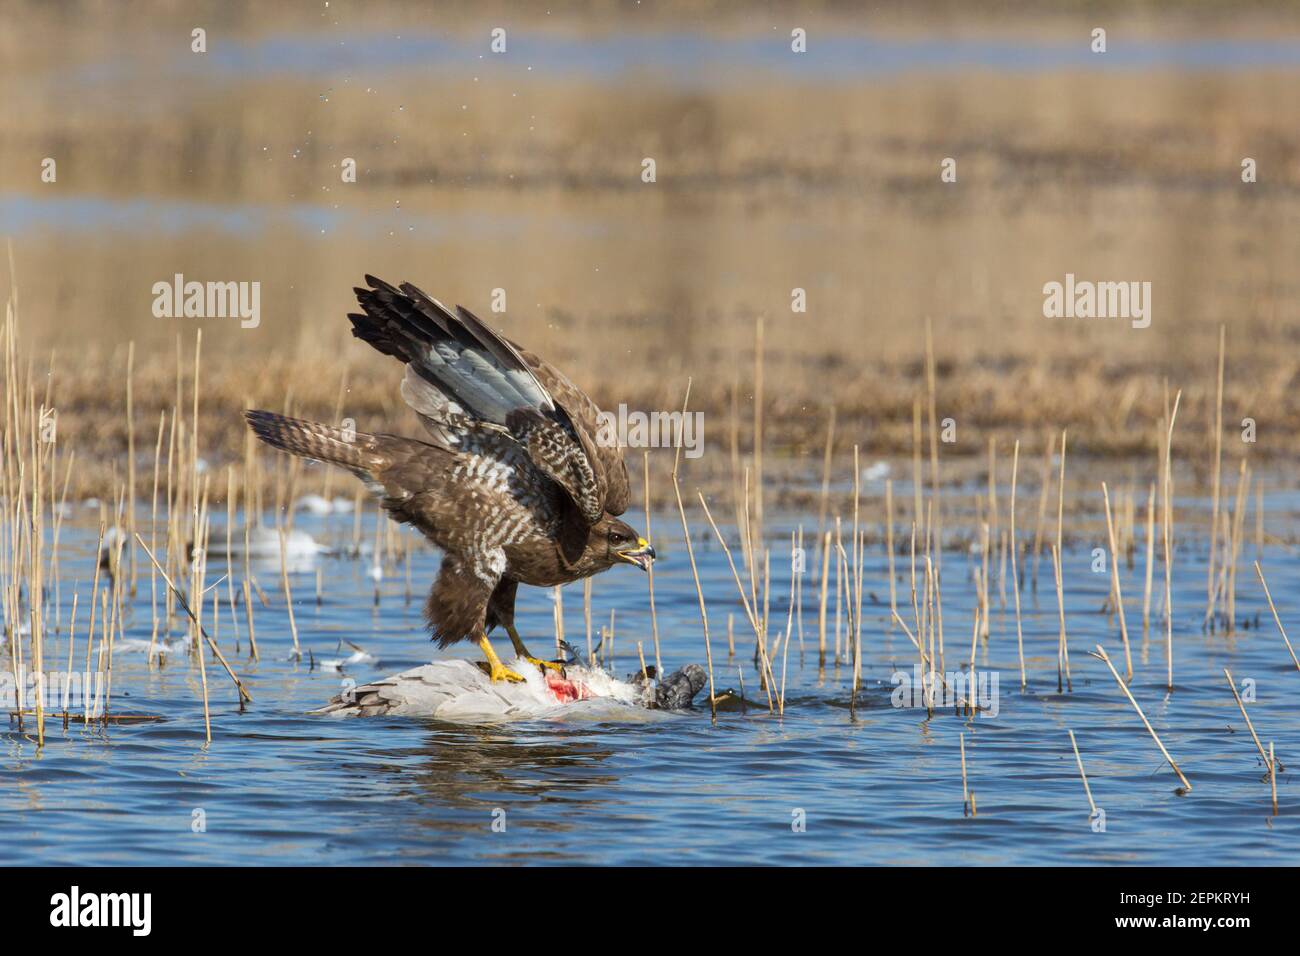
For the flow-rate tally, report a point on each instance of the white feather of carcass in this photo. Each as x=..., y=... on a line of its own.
x=459, y=691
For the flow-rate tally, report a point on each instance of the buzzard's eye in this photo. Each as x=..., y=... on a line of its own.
x=618, y=537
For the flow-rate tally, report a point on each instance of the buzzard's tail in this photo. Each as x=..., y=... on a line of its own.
x=355, y=451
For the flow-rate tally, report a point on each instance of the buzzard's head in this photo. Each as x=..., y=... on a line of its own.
x=612, y=540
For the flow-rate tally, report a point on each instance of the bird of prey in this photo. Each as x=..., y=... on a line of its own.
x=510, y=483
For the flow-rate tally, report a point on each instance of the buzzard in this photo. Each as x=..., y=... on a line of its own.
x=510, y=483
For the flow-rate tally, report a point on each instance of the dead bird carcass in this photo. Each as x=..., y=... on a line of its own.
x=459, y=690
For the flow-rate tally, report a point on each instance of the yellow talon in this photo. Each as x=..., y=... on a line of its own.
x=522, y=651
x=496, y=670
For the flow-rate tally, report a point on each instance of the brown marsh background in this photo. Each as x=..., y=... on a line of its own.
x=522, y=171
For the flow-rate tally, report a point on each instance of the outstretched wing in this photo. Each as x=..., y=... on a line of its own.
x=607, y=459
x=462, y=377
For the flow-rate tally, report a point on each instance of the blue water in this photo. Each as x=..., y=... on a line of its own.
x=691, y=59
x=278, y=785
x=88, y=215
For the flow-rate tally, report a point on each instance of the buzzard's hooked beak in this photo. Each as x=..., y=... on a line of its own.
x=641, y=555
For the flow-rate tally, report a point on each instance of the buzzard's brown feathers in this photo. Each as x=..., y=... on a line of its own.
x=512, y=485
x=463, y=375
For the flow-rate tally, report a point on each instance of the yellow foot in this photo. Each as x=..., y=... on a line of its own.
x=522, y=651
x=499, y=672
x=496, y=670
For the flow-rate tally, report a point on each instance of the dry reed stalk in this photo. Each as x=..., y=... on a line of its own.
x=889, y=546
x=200, y=531
x=72, y=641
x=288, y=594
x=758, y=428
x=1151, y=557
x=974, y=642
x=94, y=600
x=1117, y=595
x=248, y=610
x=822, y=535
x=1249, y=726
x=1004, y=548
x=130, y=455
x=1060, y=498
x=356, y=520
x=993, y=504
x=115, y=594
x=858, y=560
x=650, y=568
x=923, y=631
x=216, y=651
x=377, y=569
x=690, y=548
x=586, y=613
x=1167, y=519
x=1218, y=466
x=103, y=644
x=798, y=595
x=985, y=548
x=1043, y=492
x=731, y=635
x=610, y=650
x=928, y=635
x=557, y=613
x=1062, y=647
x=1259, y=518
x=153, y=534
x=1272, y=775
x=916, y=462
x=789, y=623
x=920, y=646
x=938, y=615
x=838, y=548
x=641, y=657
x=968, y=798
x=767, y=601
x=194, y=431
x=1234, y=552
x=230, y=561
x=169, y=555
x=59, y=513
x=934, y=440
x=750, y=612
x=291, y=494
x=747, y=542
x=821, y=612
x=1101, y=654
x=1015, y=562
x=842, y=649
x=1276, y=619
x=36, y=541
x=1082, y=776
